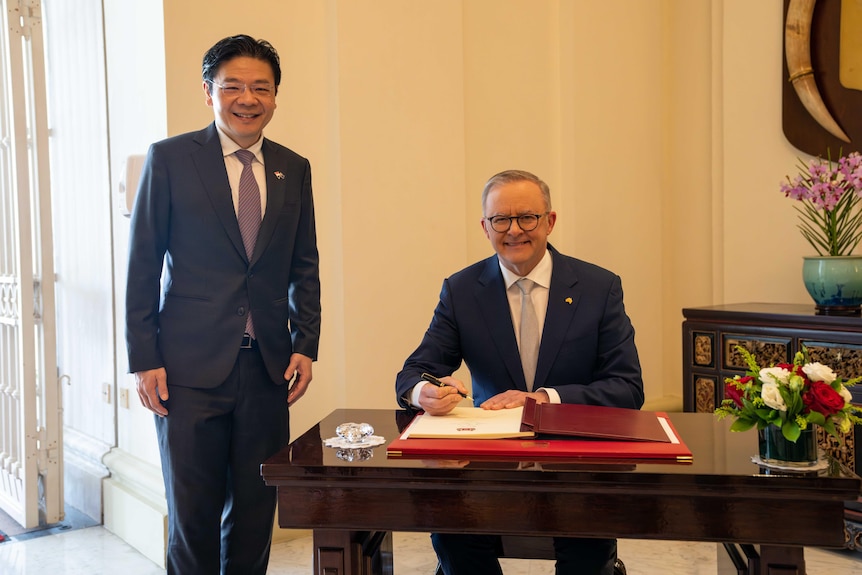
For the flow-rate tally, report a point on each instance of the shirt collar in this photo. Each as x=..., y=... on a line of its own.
x=228, y=146
x=541, y=274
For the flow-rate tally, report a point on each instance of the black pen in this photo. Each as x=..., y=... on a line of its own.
x=431, y=379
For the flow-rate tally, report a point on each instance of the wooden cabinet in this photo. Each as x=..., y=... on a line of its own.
x=773, y=333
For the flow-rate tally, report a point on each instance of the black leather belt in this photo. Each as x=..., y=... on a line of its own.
x=247, y=342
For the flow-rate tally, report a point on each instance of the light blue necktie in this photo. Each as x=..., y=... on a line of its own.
x=529, y=332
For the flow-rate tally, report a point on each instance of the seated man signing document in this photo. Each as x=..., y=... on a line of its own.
x=529, y=322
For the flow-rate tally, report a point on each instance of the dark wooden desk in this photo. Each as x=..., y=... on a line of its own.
x=353, y=506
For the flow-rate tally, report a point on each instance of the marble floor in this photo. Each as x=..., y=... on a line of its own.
x=96, y=551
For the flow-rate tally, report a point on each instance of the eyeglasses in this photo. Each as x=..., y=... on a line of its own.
x=234, y=89
x=527, y=222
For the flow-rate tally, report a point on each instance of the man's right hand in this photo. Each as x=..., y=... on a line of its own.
x=436, y=400
x=152, y=386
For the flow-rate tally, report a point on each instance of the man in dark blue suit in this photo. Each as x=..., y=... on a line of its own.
x=215, y=339
x=586, y=347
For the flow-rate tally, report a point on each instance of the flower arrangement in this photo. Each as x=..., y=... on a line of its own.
x=830, y=194
x=790, y=397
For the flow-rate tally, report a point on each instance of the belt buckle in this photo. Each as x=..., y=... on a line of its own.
x=246, y=341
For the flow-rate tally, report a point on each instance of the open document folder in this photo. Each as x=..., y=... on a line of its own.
x=568, y=432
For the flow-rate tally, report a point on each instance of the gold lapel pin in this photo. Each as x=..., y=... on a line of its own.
x=569, y=300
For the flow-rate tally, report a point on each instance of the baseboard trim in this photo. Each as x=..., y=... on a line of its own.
x=83, y=472
x=134, y=511
x=138, y=514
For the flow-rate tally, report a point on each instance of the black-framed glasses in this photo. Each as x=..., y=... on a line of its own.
x=234, y=89
x=527, y=222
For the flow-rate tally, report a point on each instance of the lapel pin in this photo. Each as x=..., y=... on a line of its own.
x=569, y=300
x=279, y=175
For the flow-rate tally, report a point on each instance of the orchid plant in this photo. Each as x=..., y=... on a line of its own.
x=829, y=194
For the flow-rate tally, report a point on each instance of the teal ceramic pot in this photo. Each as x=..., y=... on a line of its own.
x=835, y=283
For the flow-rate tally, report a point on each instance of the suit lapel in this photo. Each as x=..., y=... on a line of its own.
x=494, y=305
x=275, y=193
x=563, y=300
x=209, y=162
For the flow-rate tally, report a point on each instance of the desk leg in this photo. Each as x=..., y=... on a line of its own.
x=736, y=559
x=780, y=560
x=352, y=552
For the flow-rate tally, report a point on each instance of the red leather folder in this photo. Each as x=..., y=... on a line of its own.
x=539, y=449
x=570, y=419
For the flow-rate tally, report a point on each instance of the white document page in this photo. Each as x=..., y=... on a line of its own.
x=469, y=423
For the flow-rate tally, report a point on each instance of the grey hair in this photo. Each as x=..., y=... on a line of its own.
x=510, y=176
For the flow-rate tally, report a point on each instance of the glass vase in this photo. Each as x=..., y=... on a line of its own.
x=775, y=449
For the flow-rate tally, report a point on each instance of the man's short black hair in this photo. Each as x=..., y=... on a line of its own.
x=236, y=46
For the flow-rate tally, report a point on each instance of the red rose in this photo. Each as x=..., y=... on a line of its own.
x=732, y=389
x=822, y=398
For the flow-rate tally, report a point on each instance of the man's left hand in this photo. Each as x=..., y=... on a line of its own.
x=513, y=398
x=300, y=366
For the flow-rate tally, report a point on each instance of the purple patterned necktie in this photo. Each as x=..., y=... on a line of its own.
x=248, y=213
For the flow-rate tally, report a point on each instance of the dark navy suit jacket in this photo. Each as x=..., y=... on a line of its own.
x=184, y=215
x=587, y=352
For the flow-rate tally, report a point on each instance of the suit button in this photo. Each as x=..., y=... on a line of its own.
x=250, y=275
x=240, y=310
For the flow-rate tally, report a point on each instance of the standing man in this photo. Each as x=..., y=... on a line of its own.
x=222, y=342
x=529, y=322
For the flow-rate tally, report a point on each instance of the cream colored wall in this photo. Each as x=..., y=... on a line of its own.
x=762, y=249
x=691, y=77
x=135, y=65
x=133, y=496
x=405, y=109
x=639, y=115
x=657, y=124
x=376, y=104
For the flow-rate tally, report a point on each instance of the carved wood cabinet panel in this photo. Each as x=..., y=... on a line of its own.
x=773, y=333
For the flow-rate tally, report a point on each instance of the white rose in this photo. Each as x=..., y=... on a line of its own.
x=771, y=396
x=774, y=375
x=819, y=372
x=845, y=393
